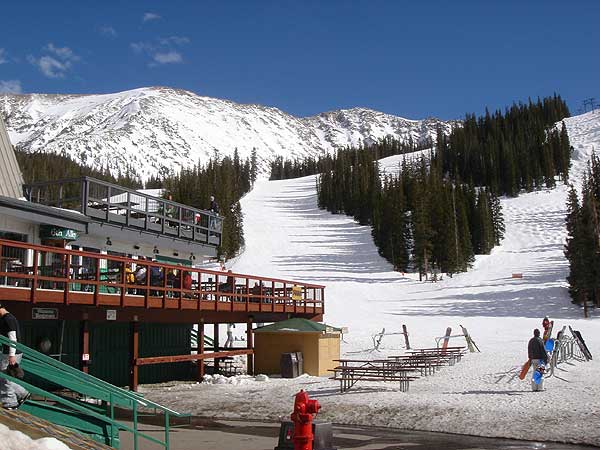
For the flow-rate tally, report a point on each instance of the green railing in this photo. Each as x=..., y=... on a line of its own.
x=80, y=416
x=207, y=340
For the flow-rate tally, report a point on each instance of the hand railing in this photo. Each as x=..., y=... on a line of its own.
x=107, y=202
x=74, y=380
x=58, y=275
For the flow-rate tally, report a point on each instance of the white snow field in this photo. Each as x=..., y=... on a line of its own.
x=287, y=236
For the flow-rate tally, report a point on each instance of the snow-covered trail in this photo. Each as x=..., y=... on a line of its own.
x=289, y=237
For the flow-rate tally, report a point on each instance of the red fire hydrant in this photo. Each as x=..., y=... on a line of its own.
x=304, y=409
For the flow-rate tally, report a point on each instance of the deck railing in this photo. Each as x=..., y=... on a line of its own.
x=110, y=203
x=42, y=274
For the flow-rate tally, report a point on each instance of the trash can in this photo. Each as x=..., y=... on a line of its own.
x=300, y=360
x=322, y=432
x=288, y=365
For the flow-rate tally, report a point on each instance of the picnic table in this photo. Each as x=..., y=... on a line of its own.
x=350, y=371
x=401, y=368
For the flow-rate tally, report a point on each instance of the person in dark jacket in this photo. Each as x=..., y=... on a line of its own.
x=12, y=395
x=214, y=209
x=538, y=356
x=214, y=206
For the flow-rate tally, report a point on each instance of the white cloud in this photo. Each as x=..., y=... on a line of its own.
x=140, y=47
x=175, y=40
x=171, y=57
x=54, y=66
x=161, y=50
x=10, y=87
x=64, y=53
x=2, y=56
x=108, y=31
x=50, y=66
x=150, y=16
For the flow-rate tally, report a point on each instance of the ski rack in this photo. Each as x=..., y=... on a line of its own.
x=566, y=349
x=471, y=344
x=377, y=338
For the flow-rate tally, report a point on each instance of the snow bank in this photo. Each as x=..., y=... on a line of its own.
x=15, y=440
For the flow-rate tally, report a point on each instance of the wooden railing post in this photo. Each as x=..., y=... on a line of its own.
x=250, y=340
x=216, y=346
x=85, y=346
x=34, y=282
x=200, y=351
x=67, y=276
x=97, y=285
x=123, y=283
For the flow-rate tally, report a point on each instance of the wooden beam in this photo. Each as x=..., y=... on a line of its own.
x=134, y=353
x=250, y=340
x=183, y=358
x=85, y=345
x=200, y=343
x=216, y=344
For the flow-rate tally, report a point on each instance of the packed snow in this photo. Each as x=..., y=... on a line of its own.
x=288, y=236
x=16, y=440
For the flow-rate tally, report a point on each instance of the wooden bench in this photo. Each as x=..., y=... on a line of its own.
x=350, y=371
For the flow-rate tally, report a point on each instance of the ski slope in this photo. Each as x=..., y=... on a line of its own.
x=287, y=236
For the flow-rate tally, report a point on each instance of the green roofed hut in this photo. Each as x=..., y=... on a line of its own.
x=319, y=344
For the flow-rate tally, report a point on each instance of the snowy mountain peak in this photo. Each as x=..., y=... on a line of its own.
x=161, y=129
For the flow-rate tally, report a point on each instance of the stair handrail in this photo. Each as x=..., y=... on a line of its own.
x=134, y=396
x=82, y=409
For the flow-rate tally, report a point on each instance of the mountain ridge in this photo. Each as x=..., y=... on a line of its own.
x=157, y=130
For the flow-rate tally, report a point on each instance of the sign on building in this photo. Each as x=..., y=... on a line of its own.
x=44, y=313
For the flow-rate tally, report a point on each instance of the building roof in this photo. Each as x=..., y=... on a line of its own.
x=296, y=325
x=11, y=180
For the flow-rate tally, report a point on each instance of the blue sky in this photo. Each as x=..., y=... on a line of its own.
x=417, y=59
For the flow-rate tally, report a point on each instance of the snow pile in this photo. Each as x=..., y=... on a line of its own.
x=15, y=440
x=236, y=380
x=482, y=394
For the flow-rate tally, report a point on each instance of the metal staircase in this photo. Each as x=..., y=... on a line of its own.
x=85, y=403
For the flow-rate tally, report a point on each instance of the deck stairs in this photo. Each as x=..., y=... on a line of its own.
x=86, y=404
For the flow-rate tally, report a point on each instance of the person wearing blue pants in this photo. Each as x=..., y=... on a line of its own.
x=538, y=356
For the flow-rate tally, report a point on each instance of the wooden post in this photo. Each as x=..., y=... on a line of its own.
x=405, y=331
x=200, y=350
x=250, y=340
x=85, y=345
x=134, y=349
x=216, y=347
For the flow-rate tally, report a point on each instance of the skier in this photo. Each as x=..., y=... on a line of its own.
x=538, y=357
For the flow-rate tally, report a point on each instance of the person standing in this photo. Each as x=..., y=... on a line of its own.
x=229, y=341
x=538, y=357
x=12, y=395
x=214, y=206
x=214, y=209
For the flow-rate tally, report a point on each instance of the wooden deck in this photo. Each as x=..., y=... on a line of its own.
x=50, y=276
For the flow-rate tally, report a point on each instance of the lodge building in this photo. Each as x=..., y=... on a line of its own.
x=114, y=281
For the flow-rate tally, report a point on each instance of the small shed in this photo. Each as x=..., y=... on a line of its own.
x=319, y=344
